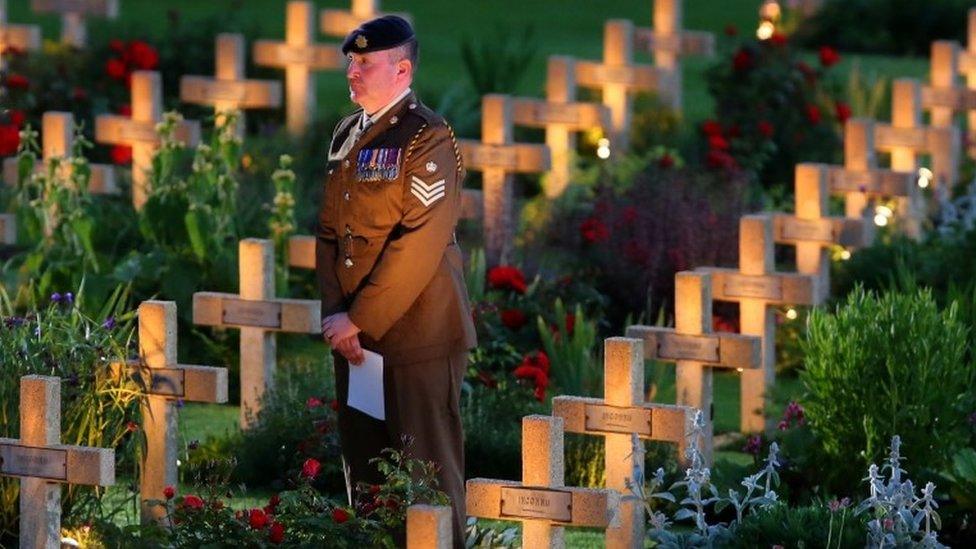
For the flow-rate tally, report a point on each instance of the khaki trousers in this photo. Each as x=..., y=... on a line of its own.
x=422, y=401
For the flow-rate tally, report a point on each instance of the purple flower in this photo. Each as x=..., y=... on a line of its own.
x=753, y=445
x=109, y=323
x=69, y=298
x=179, y=403
x=14, y=321
x=836, y=505
x=56, y=297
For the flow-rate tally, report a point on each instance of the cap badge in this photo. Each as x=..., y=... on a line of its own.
x=361, y=41
x=431, y=167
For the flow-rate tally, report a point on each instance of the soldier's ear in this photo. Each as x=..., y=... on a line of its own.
x=404, y=67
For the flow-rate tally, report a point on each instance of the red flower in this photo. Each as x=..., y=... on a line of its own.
x=121, y=155
x=17, y=117
x=79, y=94
x=843, y=112
x=193, y=502
x=722, y=324
x=507, y=278
x=711, y=127
x=742, y=60
x=828, y=56
x=116, y=69
x=718, y=142
x=125, y=110
x=169, y=492
x=339, y=515
x=312, y=402
x=272, y=505
x=813, y=114
x=537, y=359
x=765, y=129
x=666, y=161
x=143, y=55
x=513, y=319
x=116, y=45
x=719, y=160
x=334, y=405
x=131, y=426
x=593, y=230
x=731, y=30
x=570, y=325
x=9, y=139
x=16, y=81
x=257, y=519
x=276, y=534
x=778, y=39
x=311, y=467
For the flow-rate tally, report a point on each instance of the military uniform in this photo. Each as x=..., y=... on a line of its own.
x=386, y=254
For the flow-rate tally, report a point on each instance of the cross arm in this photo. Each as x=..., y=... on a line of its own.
x=720, y=350
x=314, y=56
x=188, y=382
x=683, y=43
x=334, y=22
x=24, y=37
x=245, y=94
x=776, y=288
x=540, y=113
x=522, y=157
x=564, y=506
x=58, y=463
x=281, y=315
x=843, y=231
x=876, y=182
x=591, y=74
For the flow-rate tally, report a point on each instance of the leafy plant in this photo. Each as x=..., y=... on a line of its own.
x=886, y=364
x=575, y=370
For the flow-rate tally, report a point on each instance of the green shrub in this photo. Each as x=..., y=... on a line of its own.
x=97, y=409
x=809, y=526
x=492, y=420
x=886, y=365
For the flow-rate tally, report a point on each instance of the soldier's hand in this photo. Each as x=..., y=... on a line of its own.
x=351, y=350
x=338, y=327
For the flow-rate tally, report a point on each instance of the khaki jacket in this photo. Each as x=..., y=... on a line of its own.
x=385, y=246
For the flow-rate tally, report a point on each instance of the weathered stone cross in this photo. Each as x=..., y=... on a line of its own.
x=140, y=132
x=258, y=314
x=42, y=462
x=562, y=117
x=73, y=13
x=695, y=350
x=756, y=285
x=333, y=22
x=21, y=37
x=229, y=90
x=299, y=55
x=498, y=157
x=541, y=501
x=620, y=416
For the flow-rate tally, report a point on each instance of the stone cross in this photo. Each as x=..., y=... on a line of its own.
x=541, y=501
x=618, y=77
x=429, y=527
x=967, y=67
x=756, y=285
x=497, y=157
x=166, y=381
x=905, y=138
x=333, y=22
x=667, y=42
x=229, y=90
x=21, y=37
x=73, y=13
x=561, y=116
x=42, y=462
x=695, y=350
x=57, y=141
x=812, y=230
x=943, y=98
x=299, y=55
x=258, y=314
x=8, y=229
x=619, y=417
x=860, y=180
x=139, y=131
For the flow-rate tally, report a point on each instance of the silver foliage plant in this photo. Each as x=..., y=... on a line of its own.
x=956, y=215
x=898, y=517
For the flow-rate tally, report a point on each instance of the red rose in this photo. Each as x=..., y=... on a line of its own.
x=116, y=45
x=711, y=127
x=143, y=55
x=115, y=69
x=193, y=502
x=339, y=515
x=778, y=39
x=312, y=402
x=311, y=467
x=334, y=404
x=593, y=230
x=9, y=139
x=718, y=142
x=257, y=519
x=16, y=81
x=513, y=319
x=539, y=393
x=666, y=161
x=537, y=359
x=843, y=112
x=273, y=502
x=121, y=155
x=570, y=325
x=828, y=56
x=17, y=117
x=813, y=114
x=719, y=160
x=169, y=492
x=765, y=129
x=276, y=534
x=507, y=278
x=742, y=60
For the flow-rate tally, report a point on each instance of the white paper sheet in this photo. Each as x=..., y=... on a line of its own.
x=366, y=386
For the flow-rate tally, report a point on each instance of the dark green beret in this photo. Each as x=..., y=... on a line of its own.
x=378, y=34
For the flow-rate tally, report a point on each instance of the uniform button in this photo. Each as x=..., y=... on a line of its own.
x=346, y=196
x=348, y=229
x=348, y=263
x=345, y=163
x=394, y=120
x=330, y=172
x=413, y=106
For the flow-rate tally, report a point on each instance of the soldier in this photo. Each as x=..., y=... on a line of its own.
x=389, y=267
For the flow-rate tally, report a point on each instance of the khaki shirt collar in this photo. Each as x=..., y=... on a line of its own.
x=366, y=120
